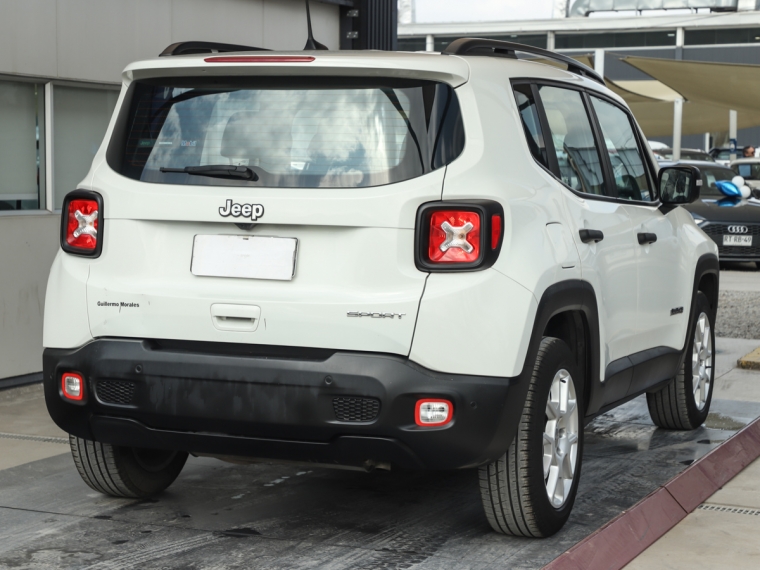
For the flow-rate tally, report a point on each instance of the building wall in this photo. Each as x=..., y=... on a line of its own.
x=91, y=41
x=29, y=243
x=94, y=40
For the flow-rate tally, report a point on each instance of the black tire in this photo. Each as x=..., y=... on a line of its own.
x=125, y=471
x=757, y=265
x=514, y=487
x=675, y=406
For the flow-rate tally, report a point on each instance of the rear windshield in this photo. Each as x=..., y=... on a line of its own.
x=291, y=132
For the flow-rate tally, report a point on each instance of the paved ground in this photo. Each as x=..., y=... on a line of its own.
x=219, y=515
x=722, y=533
x=739, y=303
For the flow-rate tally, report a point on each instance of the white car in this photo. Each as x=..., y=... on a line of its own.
x=374, y=260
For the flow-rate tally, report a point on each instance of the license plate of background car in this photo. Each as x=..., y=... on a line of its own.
x=737, y=240
x=244, y=257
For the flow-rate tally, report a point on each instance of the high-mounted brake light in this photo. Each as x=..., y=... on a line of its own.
x=433, y=413
x=82, y=224
x=458, y=236
x=72, y=386
x=259, y=59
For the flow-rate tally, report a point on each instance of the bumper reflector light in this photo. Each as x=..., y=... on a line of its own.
x=72, y=386
x=433, y=413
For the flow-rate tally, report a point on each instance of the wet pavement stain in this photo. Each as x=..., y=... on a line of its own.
x=719, y=421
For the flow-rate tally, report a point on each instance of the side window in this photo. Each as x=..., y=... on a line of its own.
x=580, y=167
x=628, y=165
x=526, y=105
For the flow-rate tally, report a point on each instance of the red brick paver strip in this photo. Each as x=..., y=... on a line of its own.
x=633, y=531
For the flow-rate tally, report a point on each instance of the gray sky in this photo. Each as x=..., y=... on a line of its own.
x=429, y=11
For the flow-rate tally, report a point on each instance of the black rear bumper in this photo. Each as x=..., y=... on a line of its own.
x=304, y=405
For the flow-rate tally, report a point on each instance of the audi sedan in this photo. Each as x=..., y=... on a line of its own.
x=733, y=223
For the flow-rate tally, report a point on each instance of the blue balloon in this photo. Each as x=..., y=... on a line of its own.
x=728, y=202
x=728, y=188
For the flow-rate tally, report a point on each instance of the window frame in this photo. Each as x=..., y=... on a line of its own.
x=44, y=150
x=611, y=194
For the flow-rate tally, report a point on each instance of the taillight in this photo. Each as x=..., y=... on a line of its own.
x=433, y=413
x=495, y=231
x=260, y=59
x=458, y=236
x=82, y=223
x=454, y=237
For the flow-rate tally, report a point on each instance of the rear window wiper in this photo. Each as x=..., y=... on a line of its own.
x=228, y=171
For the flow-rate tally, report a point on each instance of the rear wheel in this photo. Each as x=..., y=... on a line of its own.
x=125, y=471
x=530, y=490
x=685, y=402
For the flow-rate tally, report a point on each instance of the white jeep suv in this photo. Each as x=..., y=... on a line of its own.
x=374, y=259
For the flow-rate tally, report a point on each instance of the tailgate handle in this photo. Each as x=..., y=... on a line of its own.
x=241, y=318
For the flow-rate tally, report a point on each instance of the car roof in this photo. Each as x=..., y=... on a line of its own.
x=748, y=160
x=453, y=69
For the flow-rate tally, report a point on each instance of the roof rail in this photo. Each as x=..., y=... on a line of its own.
x=187, y=48
x=476, y=46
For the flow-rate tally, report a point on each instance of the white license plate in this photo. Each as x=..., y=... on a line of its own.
x=737, y=240
x=245, y=257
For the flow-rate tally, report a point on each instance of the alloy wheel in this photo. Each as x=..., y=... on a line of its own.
x=560, y=438
x=702, y=361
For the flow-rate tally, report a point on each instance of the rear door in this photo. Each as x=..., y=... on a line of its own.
x=329, y=173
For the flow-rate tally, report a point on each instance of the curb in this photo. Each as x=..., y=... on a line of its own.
x=633, y=531
x=750, y=361
x=16, y=381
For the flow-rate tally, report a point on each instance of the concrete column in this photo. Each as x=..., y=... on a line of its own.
x=732, y=131
x=599, y=61
x=679, y=43
x=707, y=142
x=550, y=41
x=677, y=123
x=429, y=42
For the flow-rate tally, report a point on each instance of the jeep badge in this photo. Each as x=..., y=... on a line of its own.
x=253, y=211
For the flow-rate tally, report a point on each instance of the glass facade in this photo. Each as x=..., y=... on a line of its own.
x=411, y=44
x=81, y=117
x=725, y=36
x=615, y=40
x=22, y=146
x=440, y=42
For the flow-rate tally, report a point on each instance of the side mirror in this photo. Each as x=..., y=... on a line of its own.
x=679, y=184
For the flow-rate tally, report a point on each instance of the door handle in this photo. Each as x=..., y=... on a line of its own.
x=588, y=236
x=647, y=238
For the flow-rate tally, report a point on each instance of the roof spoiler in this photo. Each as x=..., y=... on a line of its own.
x=188, y=48
x=497, y=48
